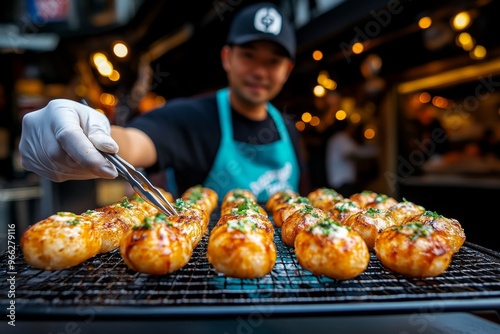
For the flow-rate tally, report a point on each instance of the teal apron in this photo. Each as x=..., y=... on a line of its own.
x=263, y=169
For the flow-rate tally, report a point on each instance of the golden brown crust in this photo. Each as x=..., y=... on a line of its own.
x=343, y=209
x=191, y=221
x=158, y=250
x=66, y=239
x=110, y=228
x=369, y=223
x=382, y=202
x=238, y=197
x=237, y=194
x=448, y=228
x=242, y=246
x=324, y=198
x=206, y=198
x=150, y=210
x=299, y=221
x=114, y=220
x=401, y=211
x=164, y=244
x=279, y=198
x=413, y=250
x=288, y=208
x=233, y=208
x=364, y=197
x=331, y=249
x=60, y=241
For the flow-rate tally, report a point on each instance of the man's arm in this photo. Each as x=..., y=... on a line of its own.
x=134, y=146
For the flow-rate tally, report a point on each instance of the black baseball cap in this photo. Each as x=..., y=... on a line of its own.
x=262, y=21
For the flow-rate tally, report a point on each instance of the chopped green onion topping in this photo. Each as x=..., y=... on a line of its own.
x=181, y=205
x=287, y=197
x=381, y=198
x=432, y=214
x=372, y=211
x=146, y=225
x=65, y=214
x=345, y=206
x=242, y=225
x=307, y=209
x=331, y=192
x=243, y=208
x=301, y=200
x=126, y=204
x=138, y=198
x=239, y=193
x=418, y=230
x=160, y=218
x=327, y=226
x=196, y=194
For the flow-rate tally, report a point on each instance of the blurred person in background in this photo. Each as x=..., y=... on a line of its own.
x=426, y=133
x=343, y=153
x=234, y=138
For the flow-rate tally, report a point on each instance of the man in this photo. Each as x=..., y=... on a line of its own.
x=232, y=139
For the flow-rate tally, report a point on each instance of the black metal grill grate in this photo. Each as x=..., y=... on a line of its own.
x=472, y=282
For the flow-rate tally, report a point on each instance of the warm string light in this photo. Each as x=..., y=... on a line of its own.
x=425, y=22
x=120, y=50
x=317, y=55
x=104, y=66
x=459, y=22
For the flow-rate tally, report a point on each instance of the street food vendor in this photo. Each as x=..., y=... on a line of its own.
x=232, y=138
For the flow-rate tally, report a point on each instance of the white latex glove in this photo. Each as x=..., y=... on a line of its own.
x=59, y=142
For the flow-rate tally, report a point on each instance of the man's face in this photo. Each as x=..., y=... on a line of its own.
x=256, y=71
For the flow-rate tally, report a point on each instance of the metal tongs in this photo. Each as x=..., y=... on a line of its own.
x=139, y=182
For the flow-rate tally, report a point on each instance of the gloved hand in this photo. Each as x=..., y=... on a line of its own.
x=59, y=142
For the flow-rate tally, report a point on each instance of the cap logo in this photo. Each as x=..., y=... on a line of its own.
x=268, y=20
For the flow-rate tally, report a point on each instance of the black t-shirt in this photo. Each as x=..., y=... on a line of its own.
x=186, y=133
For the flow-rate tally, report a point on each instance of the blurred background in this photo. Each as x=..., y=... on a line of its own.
x=399, y=70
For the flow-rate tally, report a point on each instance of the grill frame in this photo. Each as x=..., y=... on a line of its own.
x=104, y=286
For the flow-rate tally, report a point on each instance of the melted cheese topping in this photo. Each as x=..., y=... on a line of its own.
x=244, y=225
x=416, y=230
x=346, y=206
x=332, y=231
x=63, y=217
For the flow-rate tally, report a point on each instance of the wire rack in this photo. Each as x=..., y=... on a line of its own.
x=472, y=282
